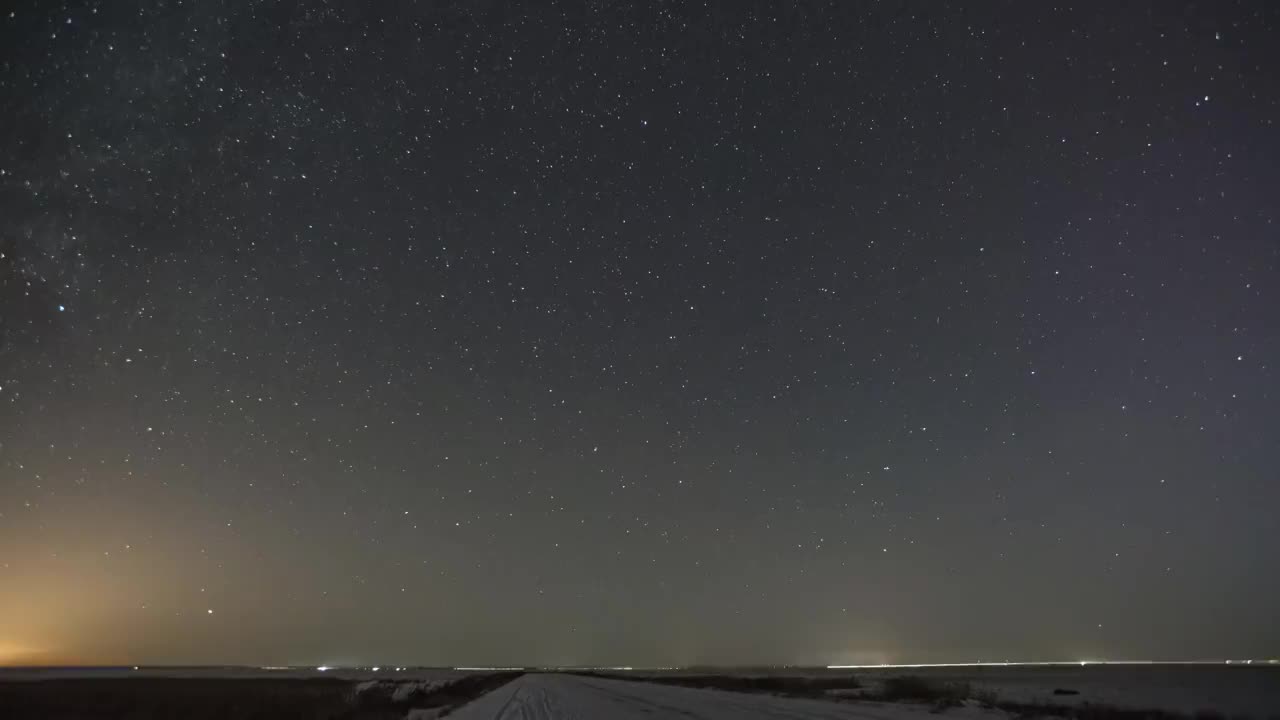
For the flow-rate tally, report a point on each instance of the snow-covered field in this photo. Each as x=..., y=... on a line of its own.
x=1235, y=691
x=570, y=697
x=1231, y=691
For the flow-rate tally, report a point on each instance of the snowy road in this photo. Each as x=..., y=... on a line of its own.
x=570, y=697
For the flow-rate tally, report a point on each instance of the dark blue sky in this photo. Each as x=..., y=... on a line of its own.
x=457, y=334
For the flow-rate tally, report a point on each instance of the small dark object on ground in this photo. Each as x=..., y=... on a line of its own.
x=1065, y=691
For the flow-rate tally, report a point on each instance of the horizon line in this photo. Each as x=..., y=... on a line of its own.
x=629, y=668
x=1056, y=663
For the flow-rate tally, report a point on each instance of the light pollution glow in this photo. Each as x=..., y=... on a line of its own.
x=14, y=654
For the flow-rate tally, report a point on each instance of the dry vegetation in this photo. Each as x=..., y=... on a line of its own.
x=787, y=685
x=223, y=699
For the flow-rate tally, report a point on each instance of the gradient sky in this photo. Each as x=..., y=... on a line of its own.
x=447, y=333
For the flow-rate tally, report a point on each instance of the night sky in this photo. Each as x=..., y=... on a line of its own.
x=613, y=333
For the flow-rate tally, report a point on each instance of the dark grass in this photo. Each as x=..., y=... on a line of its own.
x=188, y=699
x=792, y=686
x=942, y=694
x=945, y=694
x=223, y=698
x=1093, y=711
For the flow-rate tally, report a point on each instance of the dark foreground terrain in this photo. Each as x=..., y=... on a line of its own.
x=1211, y=691
x=150, y=698
x=1203, y=692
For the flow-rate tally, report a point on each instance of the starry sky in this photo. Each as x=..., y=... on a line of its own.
x=647, y=334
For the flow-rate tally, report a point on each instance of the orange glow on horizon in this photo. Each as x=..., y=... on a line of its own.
x=15, y=655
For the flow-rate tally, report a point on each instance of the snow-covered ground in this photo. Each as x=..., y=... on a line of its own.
x=1232, y=691
x=570, y=697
